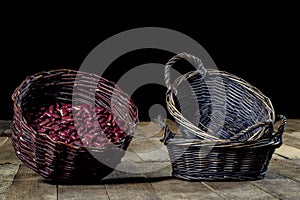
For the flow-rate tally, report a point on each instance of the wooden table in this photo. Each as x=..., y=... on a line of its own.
x=150, y=177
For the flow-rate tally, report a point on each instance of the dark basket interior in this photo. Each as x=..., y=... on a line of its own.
x=57, y=160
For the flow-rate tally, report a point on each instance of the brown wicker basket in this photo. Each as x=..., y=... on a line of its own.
x=57, y=160
x=230, y=134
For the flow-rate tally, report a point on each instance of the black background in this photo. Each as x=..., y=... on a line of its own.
x=260, y=46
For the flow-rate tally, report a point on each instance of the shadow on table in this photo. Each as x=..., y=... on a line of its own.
x=126, y=180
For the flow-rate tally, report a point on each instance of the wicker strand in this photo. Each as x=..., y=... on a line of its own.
x=190, y=58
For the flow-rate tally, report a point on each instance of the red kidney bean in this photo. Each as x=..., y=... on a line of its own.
x=55, y=115
x=116, y=129
x=54, y=137
x=65, y=105
x=72, y=128
x=46, y=121
x=42, y=130
x=97, y=126
x=55, y=127
x=47, y=127
x=51, y=109
x=43, y=115
x=62, y=111
x=66, y=119
x=109, y=118
x=99, y=109
x=62, y=134
x=102, y=120
x=73, y=138
x=50, y=124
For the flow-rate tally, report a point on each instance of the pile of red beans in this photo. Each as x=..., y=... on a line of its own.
x=94, y=127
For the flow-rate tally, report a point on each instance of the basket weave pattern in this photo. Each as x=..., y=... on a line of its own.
x=230, y=136
x=57, y=160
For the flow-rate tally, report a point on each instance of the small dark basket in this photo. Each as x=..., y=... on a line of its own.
x=57, y=160
x=226, y=131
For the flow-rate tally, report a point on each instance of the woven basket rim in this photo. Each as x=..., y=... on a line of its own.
x=220, y=143
x=245, y=85
x=172, y=138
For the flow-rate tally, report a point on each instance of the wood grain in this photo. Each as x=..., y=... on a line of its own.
x=288, y=152
x=139, y=191
x=29, y=185
x=7, y=174
x=238, y=190
x=7, y=154
x=279, y=186
x=76, y=192
x=286, y=168
x=177, y=189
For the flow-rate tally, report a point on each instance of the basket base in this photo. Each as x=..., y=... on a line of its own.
x=218, y=177
x=80, y=180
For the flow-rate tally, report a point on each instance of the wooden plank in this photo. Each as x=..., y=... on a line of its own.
x=76, y=192
x=133, y=165
x=178, y=189
x=130, y=155
x=294, y=134
x=3, y=140
x=146, y=145
x=291, y=140
x=142, y=191
x=150, y=129
x=157, y=169
x=288, y=152
x=148, y=150
x=7, y=153
x=29, y=185
x=292, y=125
x=285, y=167
x=279, y=186
x=7, y=174
x=238, y=190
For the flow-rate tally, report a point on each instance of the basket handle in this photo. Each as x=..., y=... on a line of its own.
x=279, y=132
x=190, y=58
x=282, y=126
x=249, y=129
x=278, y=135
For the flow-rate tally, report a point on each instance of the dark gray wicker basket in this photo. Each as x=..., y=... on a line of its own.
x=231, y=136
x=57, y=160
